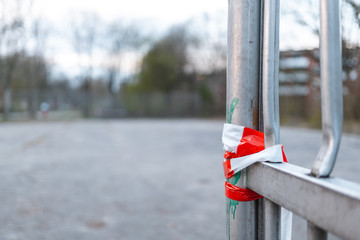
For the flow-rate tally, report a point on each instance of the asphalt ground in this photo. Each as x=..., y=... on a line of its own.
x=129, y=179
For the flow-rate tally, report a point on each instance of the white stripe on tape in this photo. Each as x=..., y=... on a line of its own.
x=231, y=137
x=270, y=154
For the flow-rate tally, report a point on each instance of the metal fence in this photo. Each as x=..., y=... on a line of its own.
x=25, y=104
x=328, y=204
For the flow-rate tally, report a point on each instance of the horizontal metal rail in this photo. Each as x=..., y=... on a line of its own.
x=332, y=203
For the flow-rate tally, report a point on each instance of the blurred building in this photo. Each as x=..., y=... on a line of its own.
x=299, y=77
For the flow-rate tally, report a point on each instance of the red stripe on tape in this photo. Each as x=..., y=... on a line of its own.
x=283, y=154
x=240, y=194
x=251, y=142
x=227, y=169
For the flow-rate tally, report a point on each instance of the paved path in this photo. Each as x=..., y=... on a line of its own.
x=130, y=179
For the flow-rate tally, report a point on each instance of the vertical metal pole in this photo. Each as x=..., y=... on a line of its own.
x=331, y=97
x=271, y=228
x=270, y=72
x=316, y=233
x=272, y=220
x=242, y=101
x=331, y=87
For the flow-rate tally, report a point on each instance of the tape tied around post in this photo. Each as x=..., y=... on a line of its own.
x=244, y=146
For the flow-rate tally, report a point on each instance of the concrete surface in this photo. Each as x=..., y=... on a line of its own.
x=129, y=179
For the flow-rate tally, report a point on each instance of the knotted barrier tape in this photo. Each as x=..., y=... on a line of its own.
x=245, y=146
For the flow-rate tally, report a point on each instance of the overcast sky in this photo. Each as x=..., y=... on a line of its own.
x=160, y=12
x=158, y=15
x=155, y=16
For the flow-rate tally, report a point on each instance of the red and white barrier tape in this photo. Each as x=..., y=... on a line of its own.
x=271, y=154
x=245, y=146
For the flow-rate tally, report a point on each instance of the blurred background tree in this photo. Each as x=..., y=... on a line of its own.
x=85, y=34
x=163, y=67
x=12, y=43
x=123, y=68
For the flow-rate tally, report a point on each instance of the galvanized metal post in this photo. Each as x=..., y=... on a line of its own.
x=331, y=97
x=315, y=233
x=331, y=87
x=271, y=224
x=242, y=101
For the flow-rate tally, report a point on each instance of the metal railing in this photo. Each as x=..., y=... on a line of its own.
x=328, y=204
